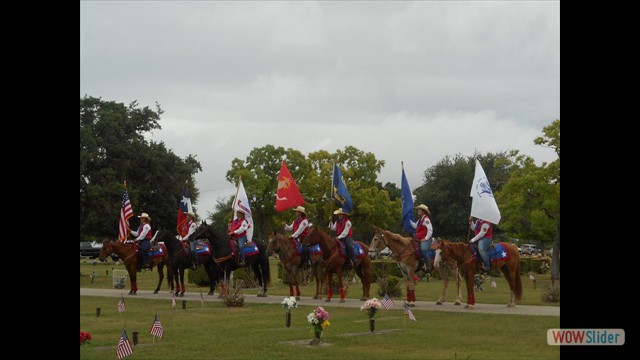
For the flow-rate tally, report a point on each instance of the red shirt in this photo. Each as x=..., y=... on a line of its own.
x=478, y=227
x=340, y=227
x=421, y=230
x=296, y=225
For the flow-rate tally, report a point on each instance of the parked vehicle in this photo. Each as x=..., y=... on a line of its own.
x=89, y=250
x=383, y=253
x=530, y=249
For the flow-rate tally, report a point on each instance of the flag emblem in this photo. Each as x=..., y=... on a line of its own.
x=126, y=211
x=124, y=346
x=121, y=307
x=387, y=302
x=156, y=328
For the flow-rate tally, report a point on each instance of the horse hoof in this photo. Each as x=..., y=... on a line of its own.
x=439, y=303
x=457, y=303
x=470, y=307
x=297, y=297
x=342, y=301
x=265, y=295
x=327, y=300
x=155, y=292
x=511, y=305
x=181, y=294
x=210, y=293
x=364, y=299
x=411, y=304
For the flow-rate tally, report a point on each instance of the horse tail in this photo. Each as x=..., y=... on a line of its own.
x=263, y=262
x=518, y=283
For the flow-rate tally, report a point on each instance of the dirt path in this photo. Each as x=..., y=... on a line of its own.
x=276, y=299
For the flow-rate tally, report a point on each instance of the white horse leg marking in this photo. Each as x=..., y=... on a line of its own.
x=436, y=262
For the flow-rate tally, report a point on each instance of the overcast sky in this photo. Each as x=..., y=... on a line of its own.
x=411, y=81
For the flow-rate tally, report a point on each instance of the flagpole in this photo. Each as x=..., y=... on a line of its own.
x=333, y=169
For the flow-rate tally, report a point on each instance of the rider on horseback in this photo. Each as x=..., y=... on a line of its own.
x=484, y=235
x=424, y=233
x=342, y=227
x=191, y=226
x=300, y=228
x=143, y=236
x=238, y=231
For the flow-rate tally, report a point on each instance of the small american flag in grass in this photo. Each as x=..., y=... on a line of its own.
x=407, y=311
x=156, y=328
x=124, y=346
x=121, y=307
x=387, y=302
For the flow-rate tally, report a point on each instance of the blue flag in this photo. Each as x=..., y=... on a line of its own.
x=339, y=191
x=407, y=205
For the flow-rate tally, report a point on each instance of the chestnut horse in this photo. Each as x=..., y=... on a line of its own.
x=292, y=262
x=404, y=255
x=127, y=253
x=462, y=254
x=335, y=262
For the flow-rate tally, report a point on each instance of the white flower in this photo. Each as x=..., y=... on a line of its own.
x=289, y=303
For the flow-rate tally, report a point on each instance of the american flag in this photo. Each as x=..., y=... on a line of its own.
x=173, y=301
x=121, y=307
x=407, y=311
x=156, y=329
x=125, y=213
x=124, y=346
x=387, y=302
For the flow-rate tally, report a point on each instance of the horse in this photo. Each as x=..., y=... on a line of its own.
x=292, y=262
x=180, y=260
x=463, y=255
x=127, y=253
x=406, y=260
x=335, y=261
x=224, y=259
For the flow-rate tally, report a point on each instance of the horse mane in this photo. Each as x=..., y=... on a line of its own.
x=397, y=237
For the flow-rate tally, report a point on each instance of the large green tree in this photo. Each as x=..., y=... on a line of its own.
x=531, y=197
x=260, y=170
x=447, y=186
x=113, y=148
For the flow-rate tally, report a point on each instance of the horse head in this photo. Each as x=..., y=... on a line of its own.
x=378, y=242
x=106, y=250
x=444, y=250
x=201, y=232
x=273, y=244
x=314, y=236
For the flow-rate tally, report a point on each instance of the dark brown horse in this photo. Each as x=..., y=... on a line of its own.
x=127, y=254
x=224, y=261
x=292, y=262
x=404, y=255
x=335, y=262
x=462, y=254
x=180, y=260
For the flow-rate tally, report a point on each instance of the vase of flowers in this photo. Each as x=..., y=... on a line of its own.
x=319, y=320
x=289, y=303
x=371, y=306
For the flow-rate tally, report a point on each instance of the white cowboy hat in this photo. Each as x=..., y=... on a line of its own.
x=424, y=207
x=193, y=215
x=241, y=210
x=300, y=209
x=339, y=211
x=145, y=215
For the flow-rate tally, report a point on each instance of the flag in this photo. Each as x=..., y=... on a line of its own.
x=125, y=213
x=407, y=311
x=387, y=302
x=483, y=205
x=124, y=346
x=156, y=328
x=242, y=202
x=287, y=194
x=121, y=307
x=173, y=301
x=339, y=191
x=407, y=205
x=183, y=208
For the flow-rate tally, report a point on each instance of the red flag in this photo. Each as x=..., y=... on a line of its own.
x=183, y=209
x=287, y=195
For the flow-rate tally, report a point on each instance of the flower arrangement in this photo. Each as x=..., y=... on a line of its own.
x=371, y=306
x=289, y=303
x=85, y=337
x=319, y=320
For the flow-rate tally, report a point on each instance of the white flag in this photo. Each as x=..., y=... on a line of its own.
x=483, y=203
x=242, y=202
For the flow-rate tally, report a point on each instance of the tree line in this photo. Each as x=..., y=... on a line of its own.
x=113, y=148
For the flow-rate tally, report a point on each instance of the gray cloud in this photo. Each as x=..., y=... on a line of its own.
x=410, y=81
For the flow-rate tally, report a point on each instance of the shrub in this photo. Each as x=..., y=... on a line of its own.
x=305, y=275
x=382, y=268
x=551, y=294
x=389, y=285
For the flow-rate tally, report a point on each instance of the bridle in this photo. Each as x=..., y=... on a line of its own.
x=401, y=255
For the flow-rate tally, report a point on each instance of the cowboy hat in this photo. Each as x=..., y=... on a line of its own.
x=241, y=210
x=424, y=207
x=300, y=209
x=144, y=215
x=192, y=214
x=339, y=211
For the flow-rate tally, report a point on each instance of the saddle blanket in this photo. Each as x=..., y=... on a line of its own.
x=359, y=251
x=497, y=252
x=315, y=249
x=158, y=252
x=203, y=249
x=250, y=248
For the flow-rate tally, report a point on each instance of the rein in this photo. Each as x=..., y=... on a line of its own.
x=400, y=256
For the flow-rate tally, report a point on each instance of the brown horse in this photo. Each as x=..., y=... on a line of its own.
x=292, y=262
x=127, y=253
x=462, y=254
x=404, y=255
x=335, y=261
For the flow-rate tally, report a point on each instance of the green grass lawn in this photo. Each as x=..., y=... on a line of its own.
x=425, y=290
x=258, y=331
